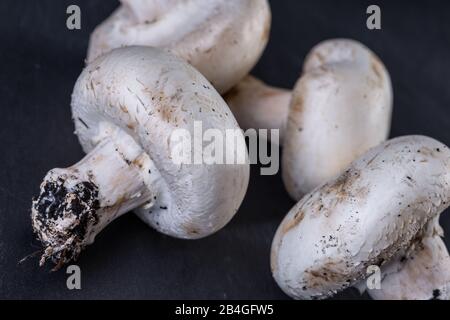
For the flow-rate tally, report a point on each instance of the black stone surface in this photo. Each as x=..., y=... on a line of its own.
x=40, y=60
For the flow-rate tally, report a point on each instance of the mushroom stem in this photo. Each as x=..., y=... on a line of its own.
x=259, y=106
x=76, y=203
x=422, y=272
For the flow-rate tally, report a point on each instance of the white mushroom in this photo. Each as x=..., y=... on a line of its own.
x=340, y=107
x=223, y=39
x=384, y=211
x=125, y=105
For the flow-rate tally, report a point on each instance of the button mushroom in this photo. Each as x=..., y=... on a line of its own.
x=125, y=105
x=340, y=107
x=383, y=211
x=223, y=39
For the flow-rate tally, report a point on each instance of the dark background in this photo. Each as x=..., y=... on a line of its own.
x=40, y=60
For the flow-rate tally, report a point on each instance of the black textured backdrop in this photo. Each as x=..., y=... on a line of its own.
x=40, y=60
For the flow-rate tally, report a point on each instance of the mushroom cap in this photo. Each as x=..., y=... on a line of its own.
x=340, y=108
x=383, y=204
x=148, y=93
x=223, y=39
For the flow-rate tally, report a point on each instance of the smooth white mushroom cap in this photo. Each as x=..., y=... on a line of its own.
x=382, y=210
x=340, y=108
x=223, y=39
